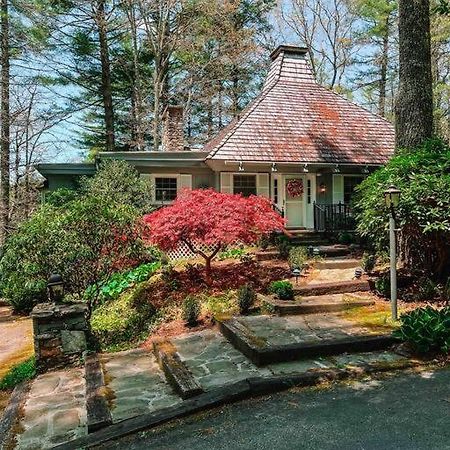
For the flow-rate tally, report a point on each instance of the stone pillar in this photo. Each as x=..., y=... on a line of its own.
x=173, y=132
x=60, y=334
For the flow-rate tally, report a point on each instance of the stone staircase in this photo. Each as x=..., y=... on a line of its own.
x=308, y=341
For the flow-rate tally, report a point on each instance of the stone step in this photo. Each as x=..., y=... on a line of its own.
x=334, y=287
x=317, y=304
x=267, y=340
x=337, y=263
x=177, y=373
x=213, y=361
x=334, y=250
x=267, y=255
x=135, y=384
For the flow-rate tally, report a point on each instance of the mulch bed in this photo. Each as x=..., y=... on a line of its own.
x=225, y=275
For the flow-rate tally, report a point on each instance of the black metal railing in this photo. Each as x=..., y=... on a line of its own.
x=279, y=210
x=333, y=217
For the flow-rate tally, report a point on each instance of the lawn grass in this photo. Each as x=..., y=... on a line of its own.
x=18, y=373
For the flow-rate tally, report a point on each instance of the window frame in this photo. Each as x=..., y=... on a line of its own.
x=176, y=177
x=255, y=175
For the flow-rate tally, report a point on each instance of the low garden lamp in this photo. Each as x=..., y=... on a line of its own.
x=55, y=288
x=392, y=200
x=296, y=272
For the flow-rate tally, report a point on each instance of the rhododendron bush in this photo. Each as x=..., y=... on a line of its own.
x=204, y=216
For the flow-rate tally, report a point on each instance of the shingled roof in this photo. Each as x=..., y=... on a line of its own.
x=294, y=119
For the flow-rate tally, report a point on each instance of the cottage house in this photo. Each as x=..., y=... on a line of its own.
x=298, y=143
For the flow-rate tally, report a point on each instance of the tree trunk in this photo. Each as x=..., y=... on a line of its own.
x=383, y=70
x=414, y=107
x=137, y=126
x=5, y=120
x=106, y=76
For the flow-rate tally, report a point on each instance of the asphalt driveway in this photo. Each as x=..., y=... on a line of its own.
x=409, y=411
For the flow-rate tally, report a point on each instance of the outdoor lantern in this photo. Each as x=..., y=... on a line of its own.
x=316, y=251
x=392, y=197
x=296, y=272
x=322, y=188
x=358, y=273
x=55, y=288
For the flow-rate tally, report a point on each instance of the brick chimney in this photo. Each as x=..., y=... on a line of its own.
x=173, y=133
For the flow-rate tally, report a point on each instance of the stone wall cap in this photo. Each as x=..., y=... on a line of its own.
x=47, y=310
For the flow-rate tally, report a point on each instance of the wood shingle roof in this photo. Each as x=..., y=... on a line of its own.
x=294, y=119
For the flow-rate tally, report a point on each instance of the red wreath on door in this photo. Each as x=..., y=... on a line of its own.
x=294, y=187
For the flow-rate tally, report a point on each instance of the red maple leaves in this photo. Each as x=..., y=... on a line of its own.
x=204, y=216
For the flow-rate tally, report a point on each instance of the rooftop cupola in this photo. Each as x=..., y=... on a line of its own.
x=289, y=64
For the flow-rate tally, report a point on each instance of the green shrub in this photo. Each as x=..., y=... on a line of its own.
x=423, y=214
x=191, y=310
x=345, y=238
x=170, y=277
x=427, y=289
x=298, y=257
x=283, y=246
x=282, y=289
x=118, y=182
x=383, y=286
x=368, y=262
x=246, y=298
x=21, y=372
x=426, y=329
x=125, y=319
x=85, y=236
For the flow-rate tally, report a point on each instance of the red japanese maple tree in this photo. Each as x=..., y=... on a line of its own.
x=204, y=216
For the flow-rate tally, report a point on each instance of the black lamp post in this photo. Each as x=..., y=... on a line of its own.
x=392, y=199
x=55, y=288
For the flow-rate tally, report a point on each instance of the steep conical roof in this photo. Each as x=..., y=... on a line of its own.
x=294, y=119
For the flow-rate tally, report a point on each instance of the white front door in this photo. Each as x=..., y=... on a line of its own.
x=294, y=205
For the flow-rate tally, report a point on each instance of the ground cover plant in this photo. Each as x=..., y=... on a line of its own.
x=21, y=372
x=426, y=329
x=204, y=217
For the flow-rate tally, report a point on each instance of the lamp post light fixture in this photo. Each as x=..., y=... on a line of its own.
x=392, y=199
x=55, y=288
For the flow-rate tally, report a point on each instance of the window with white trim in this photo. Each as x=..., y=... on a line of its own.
x=244, y=184
x=166, y=189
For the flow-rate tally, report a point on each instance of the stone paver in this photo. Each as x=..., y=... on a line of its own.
x=54, y=411
x=307, y=329
x=136, y=384
x=213, y=360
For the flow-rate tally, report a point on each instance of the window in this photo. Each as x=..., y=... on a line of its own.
x=308, y=191
x=165, y=189
x=244, y=184
x=349, y=187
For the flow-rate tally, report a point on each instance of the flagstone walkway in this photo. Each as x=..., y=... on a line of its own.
x=135, y=384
